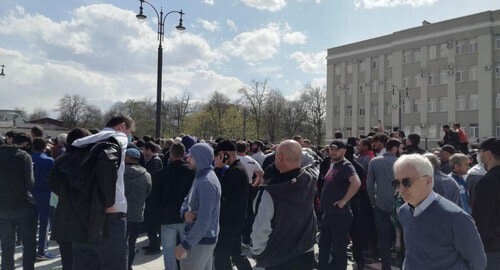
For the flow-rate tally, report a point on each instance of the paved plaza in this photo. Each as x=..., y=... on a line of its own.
x=142, y=262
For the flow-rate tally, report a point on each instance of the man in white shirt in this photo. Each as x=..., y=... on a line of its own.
x=258, y=153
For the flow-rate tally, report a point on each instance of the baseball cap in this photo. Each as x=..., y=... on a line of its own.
x=491, y=144
x=449, y=148
x=338, y=144
x=133, y=153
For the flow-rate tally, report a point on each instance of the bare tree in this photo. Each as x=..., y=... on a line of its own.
x=255, y=97
x=216, y=107
x=176, y=110
x=314, y=100
x=38, y=113
x=71, y=110
x=294, y=117
x=92, y=117
x=274, y=107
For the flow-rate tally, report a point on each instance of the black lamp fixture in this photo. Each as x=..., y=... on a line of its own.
x=2, y=73
x=161, y=24
x=402, y=95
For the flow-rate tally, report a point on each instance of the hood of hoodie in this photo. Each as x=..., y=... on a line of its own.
x=299, y=188
x=476, y=170
x=203, y=155
x=134, y=171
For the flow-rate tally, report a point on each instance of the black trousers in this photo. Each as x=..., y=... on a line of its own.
x=66, y=249
x=302, y=262
x=133, y=230
x=228, y=251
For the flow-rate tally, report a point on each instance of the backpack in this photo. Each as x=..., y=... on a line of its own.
x=95, y=187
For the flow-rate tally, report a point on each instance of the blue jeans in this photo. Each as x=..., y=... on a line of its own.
x=109, y=253
x=42, y=212
x=385, y=236
x=493, y=261
x=169, y=234
x=24, y=219
x=334, y=232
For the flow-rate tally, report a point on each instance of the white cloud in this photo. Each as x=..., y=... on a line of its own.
x=209, y=2
x=368, y=4
x=256, y=45
x=211, y=26
x=263, y=43
x=294, y=38
x=269, y=5
x=310, y=63
x=232, y=25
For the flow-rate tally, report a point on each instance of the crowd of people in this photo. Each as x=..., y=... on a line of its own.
x=215, y=204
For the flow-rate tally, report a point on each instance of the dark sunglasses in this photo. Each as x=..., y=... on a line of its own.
x=406, y=182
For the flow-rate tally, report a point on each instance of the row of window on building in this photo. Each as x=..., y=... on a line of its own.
x=434, y=131
x=414, y=106
x=412, y=56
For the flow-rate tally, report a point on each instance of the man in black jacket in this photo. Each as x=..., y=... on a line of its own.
x=17, y=207
x=284, y=230
x=66, y=227
x=172, y=186
x=486, y=207
x=234, y=185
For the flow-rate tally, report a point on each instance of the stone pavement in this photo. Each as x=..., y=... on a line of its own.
x=141, y=262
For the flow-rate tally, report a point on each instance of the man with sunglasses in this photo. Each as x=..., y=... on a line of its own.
x=381, y=193
x=438, y=234
x=486, y=207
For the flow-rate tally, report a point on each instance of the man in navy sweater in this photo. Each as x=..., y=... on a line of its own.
x=438, y=234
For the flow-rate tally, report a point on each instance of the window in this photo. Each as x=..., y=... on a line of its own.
x=348, y=132
x=374, y=63
x=349, y=68
x=416, y=106
x=472, y=73
x=406, y=106
x=374, y=109
x=349, y=89
x=472, y=46
x=387, y=108
x=497, y=42
x=473, y=130
x=460, y=47
x=432, y=52
x=388, y=84
x=433, y=131
x=336, y=111
x=417, y=129
x=416, y=55
x=361, y=110
x=497, y=71
x=443, y=76
x=375, y=86
x=362, y=66
x=498, y=129
x=473, y=102
x=497, y=101
x=459, y=75
x=432, y=104
x=407, y=57
x=460, y=103
x=416, y=80
x=388, y=60
x=443, y=50
x=406, y=81
x=361, y=88
x=433, y=79
x=337, y=91
x=348, y=111
x=443, y=104
x=337, y=69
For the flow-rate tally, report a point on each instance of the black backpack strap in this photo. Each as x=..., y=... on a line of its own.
x=258, y=199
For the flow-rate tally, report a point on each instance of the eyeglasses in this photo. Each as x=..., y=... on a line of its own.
x=406, y=182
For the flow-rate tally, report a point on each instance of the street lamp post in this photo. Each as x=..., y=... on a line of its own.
x=161, y=28
x=400, y=92
x=2, y=73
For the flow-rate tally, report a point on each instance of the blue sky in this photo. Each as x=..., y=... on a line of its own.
x=98, y=49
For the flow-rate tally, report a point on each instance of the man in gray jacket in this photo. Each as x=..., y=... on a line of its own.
x=381, y=193
x=200, y=211
x=137, y=188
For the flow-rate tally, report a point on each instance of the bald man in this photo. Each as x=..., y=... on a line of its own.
x=284, y=231
x=438, y=234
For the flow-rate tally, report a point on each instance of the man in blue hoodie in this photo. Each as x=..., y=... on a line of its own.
x=200, y=212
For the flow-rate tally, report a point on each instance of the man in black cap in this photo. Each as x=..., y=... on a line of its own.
x=486, y=207
x=341, y=184
x=444, y=156
x=234, y=198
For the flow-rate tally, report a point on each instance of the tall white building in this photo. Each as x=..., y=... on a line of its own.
x=447, y=72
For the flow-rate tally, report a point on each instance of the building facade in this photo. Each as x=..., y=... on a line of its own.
x=431, y=75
